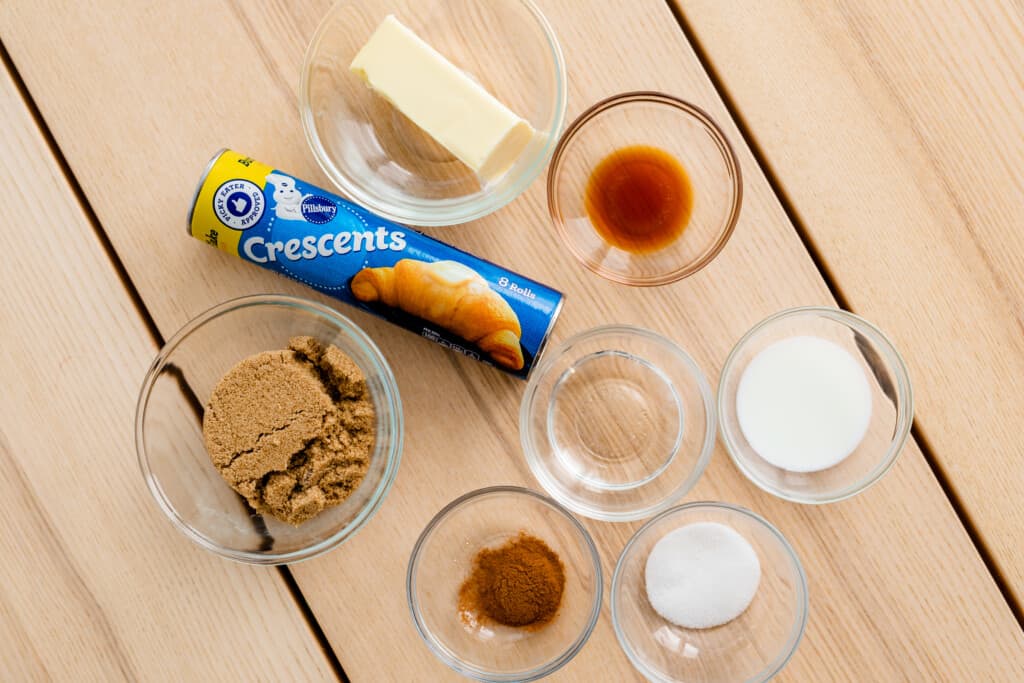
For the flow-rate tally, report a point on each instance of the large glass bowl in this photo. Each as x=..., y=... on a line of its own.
x=169, y=431
x=443, y=558
x=378, y=157
x=751, y=648
x=892, y=399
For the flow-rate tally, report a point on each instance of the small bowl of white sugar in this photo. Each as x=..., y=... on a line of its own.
x=814, y=404
x=709, y=593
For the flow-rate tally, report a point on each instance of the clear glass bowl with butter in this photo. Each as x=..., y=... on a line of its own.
x=169, y=429
x=366, y=141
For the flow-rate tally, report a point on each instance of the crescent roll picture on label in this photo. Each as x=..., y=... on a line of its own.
x=450, y=295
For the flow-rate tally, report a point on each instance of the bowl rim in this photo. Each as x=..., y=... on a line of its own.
x=904, y=402
x=803, y=606
x=391, y=396
x=692, y=111
x=528, y=439
x=435, y=213
x=436, y=647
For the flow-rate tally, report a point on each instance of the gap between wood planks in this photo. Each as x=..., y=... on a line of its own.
x=837, y=293
x=151, y=326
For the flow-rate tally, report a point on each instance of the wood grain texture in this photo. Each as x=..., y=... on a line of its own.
x=897, y=591
x=94, y=583
x=897, y=133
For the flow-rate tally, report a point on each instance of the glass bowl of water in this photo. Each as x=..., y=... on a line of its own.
x=815, y=404
x=617, y=423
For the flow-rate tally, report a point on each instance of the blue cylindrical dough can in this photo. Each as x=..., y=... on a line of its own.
x=277, y=221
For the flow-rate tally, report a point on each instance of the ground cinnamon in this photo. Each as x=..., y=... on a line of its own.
x=520, y=583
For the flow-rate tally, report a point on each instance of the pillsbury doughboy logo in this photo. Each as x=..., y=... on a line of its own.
x=287, y=198
x=239, y=204
x=291, y=204
x=317, y=209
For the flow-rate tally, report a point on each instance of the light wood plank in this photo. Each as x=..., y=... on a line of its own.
x=94, y=583
x=896, y=130
x=896, y=588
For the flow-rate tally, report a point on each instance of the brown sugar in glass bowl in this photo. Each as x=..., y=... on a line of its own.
x=292, y=430
x=169, y=440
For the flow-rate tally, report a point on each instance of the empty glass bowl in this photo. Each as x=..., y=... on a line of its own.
x=892, y=405
x=443, y=558
x=684, y=132
x=751, y=648
x=617, y=423
x=169, y=430
x=383, y=161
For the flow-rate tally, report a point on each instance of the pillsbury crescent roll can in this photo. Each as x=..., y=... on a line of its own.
x=287, y=225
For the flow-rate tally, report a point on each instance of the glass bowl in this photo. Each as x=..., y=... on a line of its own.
x=892, y=405
x=443, y=557
x=751, y=648
x=383, y=161
x=617, y=423
x=169, y=432
x=670, y=124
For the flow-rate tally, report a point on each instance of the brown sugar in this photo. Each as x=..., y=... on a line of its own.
x=292, y=431
x=519, y=583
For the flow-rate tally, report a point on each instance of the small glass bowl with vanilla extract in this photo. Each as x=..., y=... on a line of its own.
x=644, y=189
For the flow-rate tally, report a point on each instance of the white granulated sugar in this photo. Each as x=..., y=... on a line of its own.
x=702, y=575
x=804, y=404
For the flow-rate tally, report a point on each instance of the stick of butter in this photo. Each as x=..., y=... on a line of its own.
x=470, y=122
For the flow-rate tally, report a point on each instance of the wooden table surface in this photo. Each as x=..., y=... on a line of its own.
x=880, y=147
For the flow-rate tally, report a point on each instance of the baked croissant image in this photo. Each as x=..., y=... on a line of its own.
x=450, y=295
